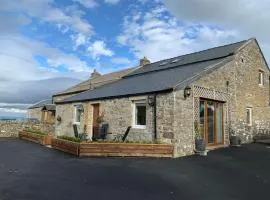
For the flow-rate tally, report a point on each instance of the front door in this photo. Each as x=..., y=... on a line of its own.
x=95, y=117
x=211, y=122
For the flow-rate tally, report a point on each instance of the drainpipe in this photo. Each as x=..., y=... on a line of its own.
x=155, y=116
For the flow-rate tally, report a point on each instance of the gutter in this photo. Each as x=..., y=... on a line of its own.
x=114, y=97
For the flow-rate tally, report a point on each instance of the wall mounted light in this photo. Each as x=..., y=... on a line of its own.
x=187, y=92
x=80, y=107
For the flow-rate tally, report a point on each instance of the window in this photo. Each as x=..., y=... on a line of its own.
x=139, y=114
x=261, y=75
x=78, y=113
x=249, y=116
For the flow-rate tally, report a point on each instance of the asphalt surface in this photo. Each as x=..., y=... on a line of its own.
x=30, y=171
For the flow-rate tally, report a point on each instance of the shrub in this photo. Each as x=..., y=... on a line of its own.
x=34, y=131
x=126, y=141
x=72, y=139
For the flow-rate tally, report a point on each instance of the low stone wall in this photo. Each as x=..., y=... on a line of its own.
x=12, y=128
x=247, y=133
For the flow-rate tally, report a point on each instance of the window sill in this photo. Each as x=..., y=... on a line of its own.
x=77, y=123
x=139, y=127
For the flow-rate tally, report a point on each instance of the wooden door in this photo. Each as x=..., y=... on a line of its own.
x=211, y=122
x=95, y=117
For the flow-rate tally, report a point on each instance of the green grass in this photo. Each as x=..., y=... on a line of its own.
x=34, y=131
x=72, y=139
x=127, y=141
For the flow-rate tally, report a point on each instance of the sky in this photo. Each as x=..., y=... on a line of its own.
x=49, y=45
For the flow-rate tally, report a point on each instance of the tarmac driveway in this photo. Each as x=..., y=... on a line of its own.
x=29, y=171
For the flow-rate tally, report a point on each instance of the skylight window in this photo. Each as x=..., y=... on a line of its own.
x=163, y=63
x=176, y=60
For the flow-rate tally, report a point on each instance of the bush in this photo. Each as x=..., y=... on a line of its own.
x=126, y=141
x=72, y=139
x=34, y=131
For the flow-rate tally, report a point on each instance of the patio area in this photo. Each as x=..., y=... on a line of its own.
x=30, y=171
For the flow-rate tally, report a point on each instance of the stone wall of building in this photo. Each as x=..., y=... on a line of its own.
x=65, y=112
x=11, y=128
x=118, y=113
x=165, y=117
x=183, y=125
x=34, y=113
x=242, y=75
x=238, y=79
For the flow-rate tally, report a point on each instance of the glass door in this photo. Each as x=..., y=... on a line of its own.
x=211, y=122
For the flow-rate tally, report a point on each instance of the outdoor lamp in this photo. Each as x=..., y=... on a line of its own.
x=80, y=108
x=151, y=100
x=187, y=91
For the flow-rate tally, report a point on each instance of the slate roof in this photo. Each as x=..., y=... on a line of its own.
x=96, y=82
x=163, y=75
x=41, y=104
x=209, y=54
x=49, y=107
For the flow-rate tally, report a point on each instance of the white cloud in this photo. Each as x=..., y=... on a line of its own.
x=98, y=48
x=247, y=17
x=120, y=60
x=79, y=40
x=45, y=11
x=93, y=3
x=112, y=1
x=19, y=52
x=12, y=110
x=158, y=35
x=87, y=3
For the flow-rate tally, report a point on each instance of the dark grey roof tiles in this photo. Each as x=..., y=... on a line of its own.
x=146, y=83
x=49, y=107
x=163, y=75
x=41, y=103
x=209, y=54
x=96, y=82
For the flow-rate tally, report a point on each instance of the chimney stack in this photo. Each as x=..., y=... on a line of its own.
x=95, y=74
x=144, y=61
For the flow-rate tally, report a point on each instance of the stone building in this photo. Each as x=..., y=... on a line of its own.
x=222, y=91
x=42, y=111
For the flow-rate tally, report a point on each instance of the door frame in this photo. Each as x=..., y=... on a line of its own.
x=215, y=123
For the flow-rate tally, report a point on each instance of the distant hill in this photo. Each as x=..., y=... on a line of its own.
x=34, y=91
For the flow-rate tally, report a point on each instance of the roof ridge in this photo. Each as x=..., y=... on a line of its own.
x=114, y=72
x=199, y=51
x=92, y=80
x=191, y=58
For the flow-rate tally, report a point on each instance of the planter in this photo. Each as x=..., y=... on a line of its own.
x=36, y=138
x=85, y=149
x=235, y=141
x=200, y=145
x=126, y=150
x=66, y=146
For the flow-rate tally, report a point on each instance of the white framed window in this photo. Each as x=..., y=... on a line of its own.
x=261, y=78
x=139, y=114
x=78, y=109
x=249, y=116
